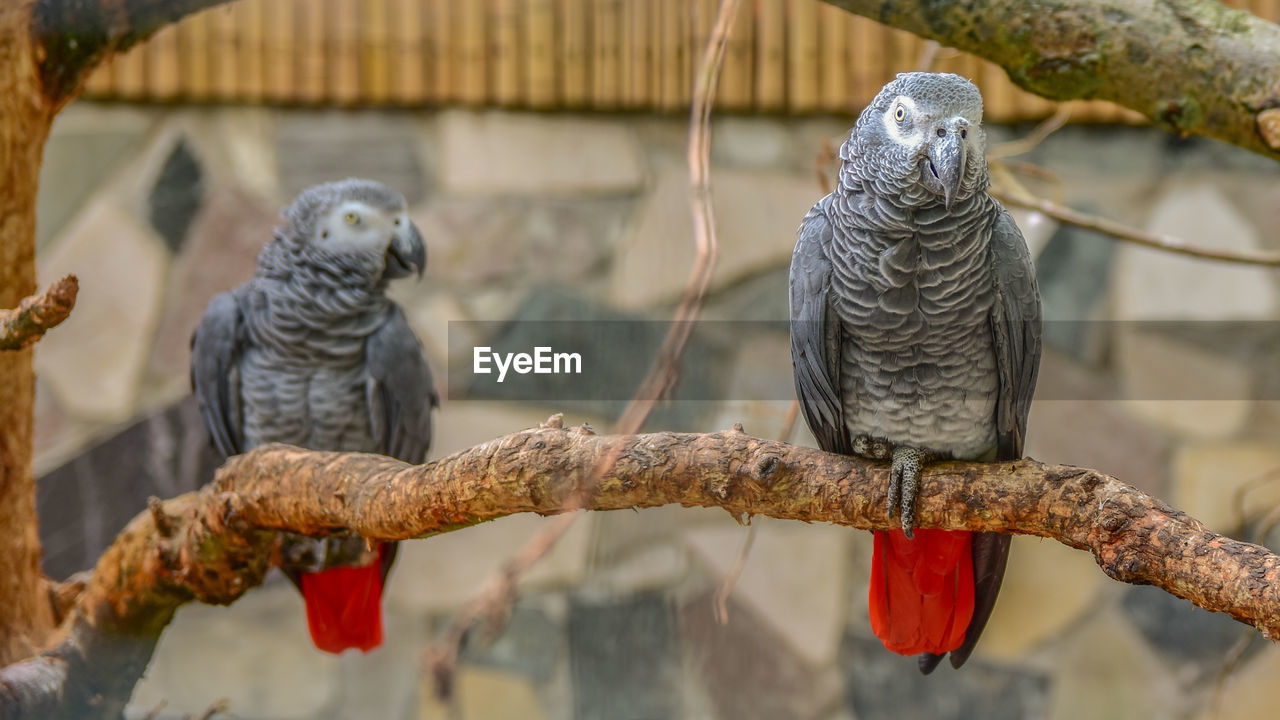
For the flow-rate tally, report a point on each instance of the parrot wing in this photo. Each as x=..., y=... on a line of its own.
x=1016, y=330
x=400, y=389
x=815, y=335
x=215, y=375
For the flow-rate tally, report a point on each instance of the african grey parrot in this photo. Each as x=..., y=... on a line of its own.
x=915, y=336
x=311, y=352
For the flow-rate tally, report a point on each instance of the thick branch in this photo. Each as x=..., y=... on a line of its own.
x=73, y=36
x=1194, y=66
x=38, y=314
x=215, y=544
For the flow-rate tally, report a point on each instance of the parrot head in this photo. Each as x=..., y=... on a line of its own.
x=358, y=220
x=923, y=132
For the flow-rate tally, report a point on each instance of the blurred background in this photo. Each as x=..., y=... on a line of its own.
x=541, y=146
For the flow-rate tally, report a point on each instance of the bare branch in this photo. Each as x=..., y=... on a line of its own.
x=74, y=37
x=1111, y=228
x=218, y=542
x=38, y=314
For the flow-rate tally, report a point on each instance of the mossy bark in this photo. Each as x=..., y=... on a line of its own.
x=1193, y=66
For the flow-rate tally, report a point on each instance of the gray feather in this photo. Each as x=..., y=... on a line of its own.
x=401, y=392
x=815, y=335
x=215, y=375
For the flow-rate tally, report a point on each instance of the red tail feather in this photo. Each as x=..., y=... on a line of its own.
x=921, y=596
x=344, y=607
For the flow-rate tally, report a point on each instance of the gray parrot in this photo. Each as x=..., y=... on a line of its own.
x=311, y=352
x=915, y=336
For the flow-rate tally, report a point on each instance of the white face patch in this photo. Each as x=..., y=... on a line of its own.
x=353, y=226
x=910, y=136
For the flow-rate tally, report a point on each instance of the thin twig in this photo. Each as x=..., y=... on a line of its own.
x=1118, y=231
x=37, y=314
x=1026, y=144
x=494, y=601
x=218, y=707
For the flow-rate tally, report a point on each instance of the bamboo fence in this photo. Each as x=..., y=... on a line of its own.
x=783, y=56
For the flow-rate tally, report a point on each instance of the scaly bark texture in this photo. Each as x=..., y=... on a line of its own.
x=215, y=544
x=1193, y=66
x=36, y=315
x=46, y=48
x=25, y=116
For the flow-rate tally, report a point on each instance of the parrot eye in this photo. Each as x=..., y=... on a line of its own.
x=899, y=113
x=351, y=218
x=397, y=221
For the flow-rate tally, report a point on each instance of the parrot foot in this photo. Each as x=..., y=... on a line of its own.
x=904, y=482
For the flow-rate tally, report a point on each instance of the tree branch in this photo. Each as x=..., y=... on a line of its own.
x=38, y=314
x=74, y=36
x=215, y=544
x=1111, y=228
x=1193, y=66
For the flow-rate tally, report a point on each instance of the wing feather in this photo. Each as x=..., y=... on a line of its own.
x=215, y=378
x=401, y=391
x=815, y=334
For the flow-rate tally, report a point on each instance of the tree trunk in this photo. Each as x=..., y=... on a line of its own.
x=27, y=618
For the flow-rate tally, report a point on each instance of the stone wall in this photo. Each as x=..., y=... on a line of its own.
x=525, y=215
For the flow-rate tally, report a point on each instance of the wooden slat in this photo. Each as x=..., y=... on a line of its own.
x=473, y=86
x=504, y=55
x=771, y=55
x=606, y=27
x=802, y=56
x=538, y=76
x=342, y=29
x=702, y=16
x=163, y=76
x=375, y=51
x=657, y=49
x=633, y=61
x=100, y=82
x=675, y=55
x=193, y=56
x=224, y=60
x=734, y=91
x=867, y=58
x=410, y=78
x=249, y=39
x=442, y=53
x=130, y=71
x=279, y=51
x=834, y=91
x=310, y=63
x=574, y=68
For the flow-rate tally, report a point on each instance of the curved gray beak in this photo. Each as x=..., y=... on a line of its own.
x=407, y=254
x=947, y=160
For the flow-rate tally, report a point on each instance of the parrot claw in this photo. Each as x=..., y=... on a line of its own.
x=904, y=483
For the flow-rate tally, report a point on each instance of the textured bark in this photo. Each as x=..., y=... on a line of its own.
x=36, y=315
x=215, y=544
x=26, y=618
x=46, y=49
x=1193, y=66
